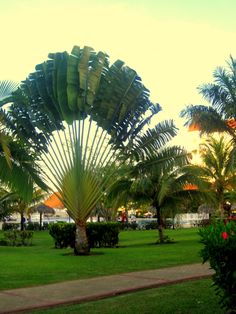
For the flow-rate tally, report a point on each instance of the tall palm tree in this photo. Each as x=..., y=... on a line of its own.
x=221, y=115
x=218, y=168
x=78, y=114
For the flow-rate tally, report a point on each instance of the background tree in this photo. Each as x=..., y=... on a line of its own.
x=78, y=113
x=221, y=115
x=18, y=170
x=218, y=168
x=13, y=203
x=160, y=178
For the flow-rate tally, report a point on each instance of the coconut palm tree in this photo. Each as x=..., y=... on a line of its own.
x=17, y=168
x=161, y=180
x=79, y=114
x=221, y=94
x=16, y=204
x=218, y=168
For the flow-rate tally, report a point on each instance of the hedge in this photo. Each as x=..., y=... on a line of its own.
x=100, y=234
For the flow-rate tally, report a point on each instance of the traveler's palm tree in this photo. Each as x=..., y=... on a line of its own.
x=79, y=114
x=221, y=115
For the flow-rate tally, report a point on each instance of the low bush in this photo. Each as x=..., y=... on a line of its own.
x=10, y=226
x=33, y=226
x=220, y=250
x=99, y=234
x=103, y=234
x=18, y=237
x=63, y=234
x=128, y=226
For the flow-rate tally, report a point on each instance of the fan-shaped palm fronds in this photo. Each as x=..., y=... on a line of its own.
x=80, y=114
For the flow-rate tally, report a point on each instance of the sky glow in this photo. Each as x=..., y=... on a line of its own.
x=173, y=45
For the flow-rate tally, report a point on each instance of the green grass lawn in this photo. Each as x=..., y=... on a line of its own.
x=196, y=297
x=43, y=264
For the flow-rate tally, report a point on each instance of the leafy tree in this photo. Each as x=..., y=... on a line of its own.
x=221, y=115
x=78, y=114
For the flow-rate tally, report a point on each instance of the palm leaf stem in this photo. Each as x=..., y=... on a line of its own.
x=92, y=146
x=86, y=145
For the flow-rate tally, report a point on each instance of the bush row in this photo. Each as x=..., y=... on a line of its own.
x=17, y=238
x=101, y=234
x=143, y=225
x=35, y=226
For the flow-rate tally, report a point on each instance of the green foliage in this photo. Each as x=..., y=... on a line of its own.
x=35, y=226
x=63, y=234
x=220, y=250
x=100, y=234
x=10, y=226
x=18, y=237
x=128, y=226
x=103, y=234
x=221, y=94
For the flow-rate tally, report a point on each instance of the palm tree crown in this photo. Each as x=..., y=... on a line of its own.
x=221, y=94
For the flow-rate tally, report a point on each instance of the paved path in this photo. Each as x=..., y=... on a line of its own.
x=25, y=299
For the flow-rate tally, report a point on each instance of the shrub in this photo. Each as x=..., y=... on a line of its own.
x=33, y=226
x=128, y=226
x=10, y=226
x=63, y=234
x=99, y=234
x=103, y=234
x=18, y=237
x=220, y=250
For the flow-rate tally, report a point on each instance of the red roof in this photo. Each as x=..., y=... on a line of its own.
x=53, y=201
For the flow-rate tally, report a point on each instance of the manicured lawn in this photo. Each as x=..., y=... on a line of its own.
x=196, y=297
x=42, y=264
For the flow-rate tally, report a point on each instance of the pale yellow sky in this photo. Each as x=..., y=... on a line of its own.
x=173, y=45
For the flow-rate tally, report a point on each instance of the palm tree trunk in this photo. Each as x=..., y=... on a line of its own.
x=22, y=218
x=81, y=239
x=159, y=223
x=40, y=220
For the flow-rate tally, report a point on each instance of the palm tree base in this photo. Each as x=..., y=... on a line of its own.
x=81, y=240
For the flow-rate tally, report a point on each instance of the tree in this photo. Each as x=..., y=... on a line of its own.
x=218, y=168
x=221, y=115
x=18, y=170
x=78, y=113
x=14, y=203
x=160, y=179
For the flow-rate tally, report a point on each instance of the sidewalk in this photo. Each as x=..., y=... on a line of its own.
x=76, y=291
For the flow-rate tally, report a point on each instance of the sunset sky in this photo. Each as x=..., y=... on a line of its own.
x=174, y=45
